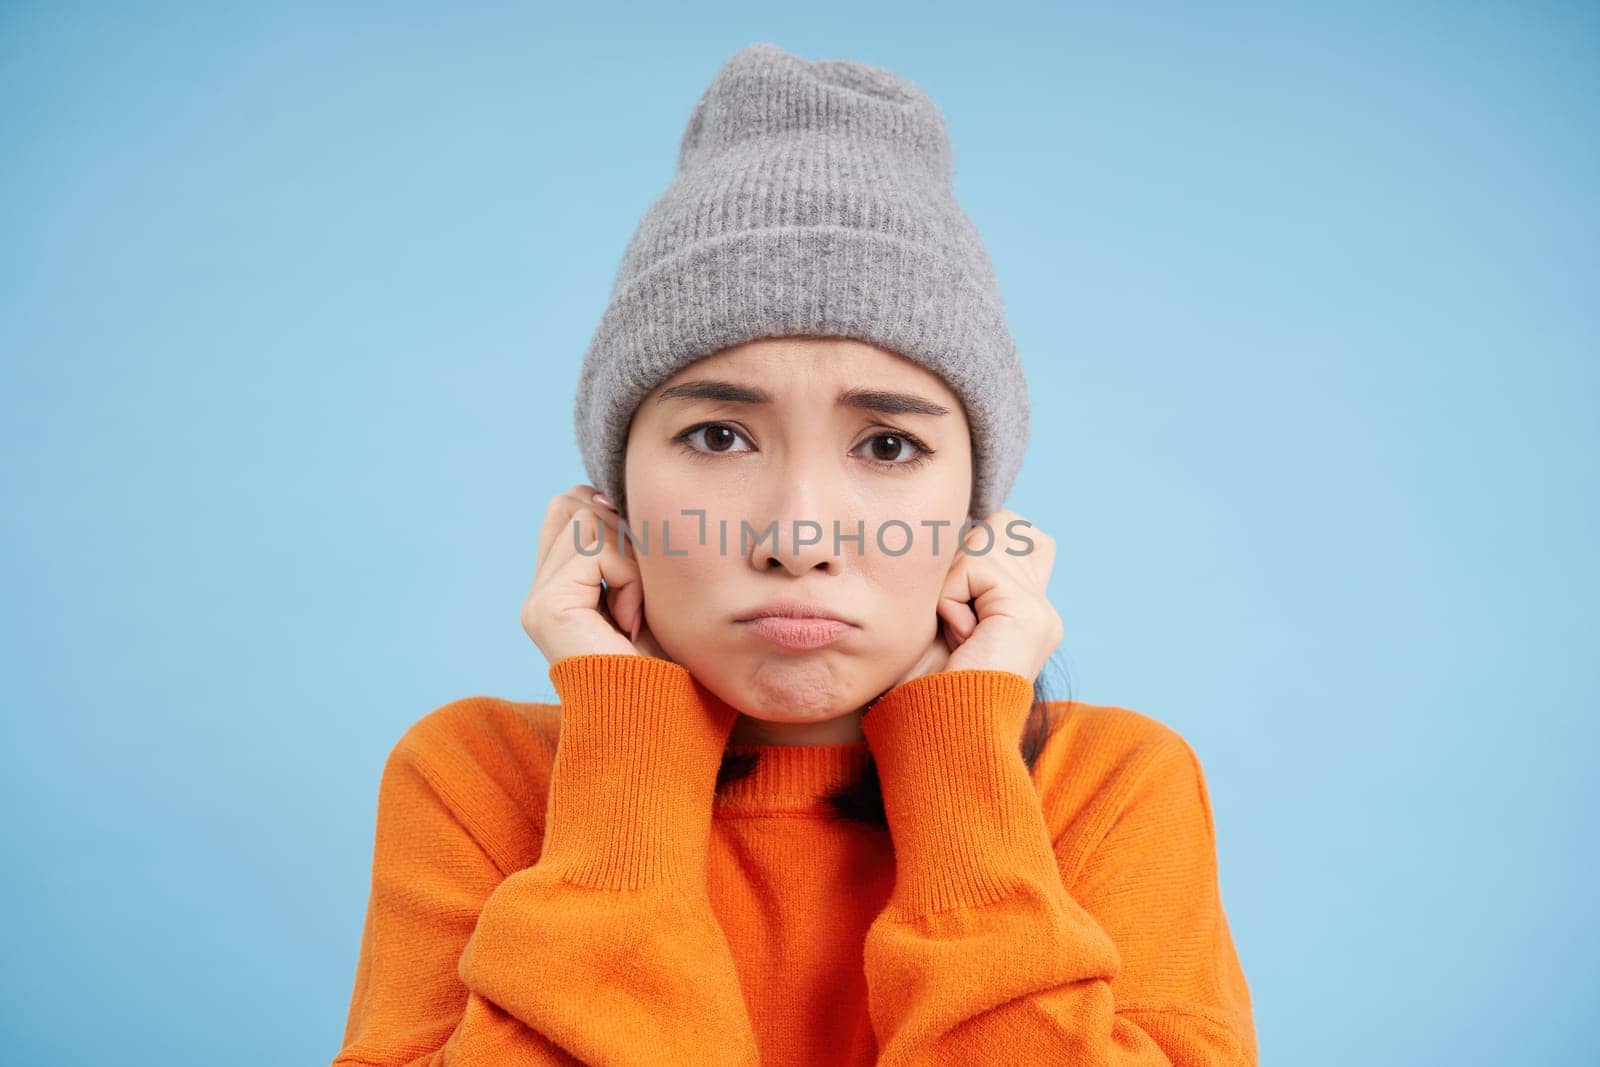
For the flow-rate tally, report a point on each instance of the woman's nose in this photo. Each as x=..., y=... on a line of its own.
x=802, y=545
x=805, y=523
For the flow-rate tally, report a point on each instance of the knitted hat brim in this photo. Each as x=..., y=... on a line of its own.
x=805, y=280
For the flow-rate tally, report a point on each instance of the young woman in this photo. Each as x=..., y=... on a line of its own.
x=802, y=798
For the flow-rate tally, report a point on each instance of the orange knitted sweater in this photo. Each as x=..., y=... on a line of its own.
x=601, y=901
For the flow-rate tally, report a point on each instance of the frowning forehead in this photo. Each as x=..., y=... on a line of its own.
x=790, y=370
x=721, y=390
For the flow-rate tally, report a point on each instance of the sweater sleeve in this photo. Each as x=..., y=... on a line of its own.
x=606, y=949
x=983, y=955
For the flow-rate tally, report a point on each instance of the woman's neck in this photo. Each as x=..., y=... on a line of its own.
x=845, y=729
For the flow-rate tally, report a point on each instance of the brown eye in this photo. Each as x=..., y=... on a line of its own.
x=894, y=451
x=886, y=447
x=718, y=438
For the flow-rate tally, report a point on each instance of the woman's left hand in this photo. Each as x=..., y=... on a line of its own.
x=1014, y=627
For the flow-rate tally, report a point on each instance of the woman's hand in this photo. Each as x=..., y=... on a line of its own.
x=995, y=611
x=586, y=603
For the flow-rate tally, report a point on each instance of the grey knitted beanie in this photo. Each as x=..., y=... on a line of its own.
x=810, y=197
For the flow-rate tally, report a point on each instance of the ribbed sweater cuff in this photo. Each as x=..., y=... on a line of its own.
x=964, y=816
x=635, y=772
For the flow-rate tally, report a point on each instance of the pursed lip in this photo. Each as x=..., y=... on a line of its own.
x=792, y=609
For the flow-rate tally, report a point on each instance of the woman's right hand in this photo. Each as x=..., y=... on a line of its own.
x=569, y=612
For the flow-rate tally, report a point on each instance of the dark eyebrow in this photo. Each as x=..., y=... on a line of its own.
x=880, y=400
x=707, y=389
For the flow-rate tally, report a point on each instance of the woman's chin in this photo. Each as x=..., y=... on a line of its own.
x=793, y=689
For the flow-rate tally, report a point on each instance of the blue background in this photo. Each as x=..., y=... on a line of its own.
x=292, y=302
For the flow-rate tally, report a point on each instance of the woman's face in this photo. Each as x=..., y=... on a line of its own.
x=817, y=431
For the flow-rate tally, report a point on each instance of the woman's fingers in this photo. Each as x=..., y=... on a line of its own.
x=625, y=602
x=624, y=594
x=566, y=612
x=557, y=516
x=559, y=513
x=954, y=605
x=1042, y=556
x=627, y=605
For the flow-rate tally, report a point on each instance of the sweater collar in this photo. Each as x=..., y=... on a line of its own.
x=791, y=778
